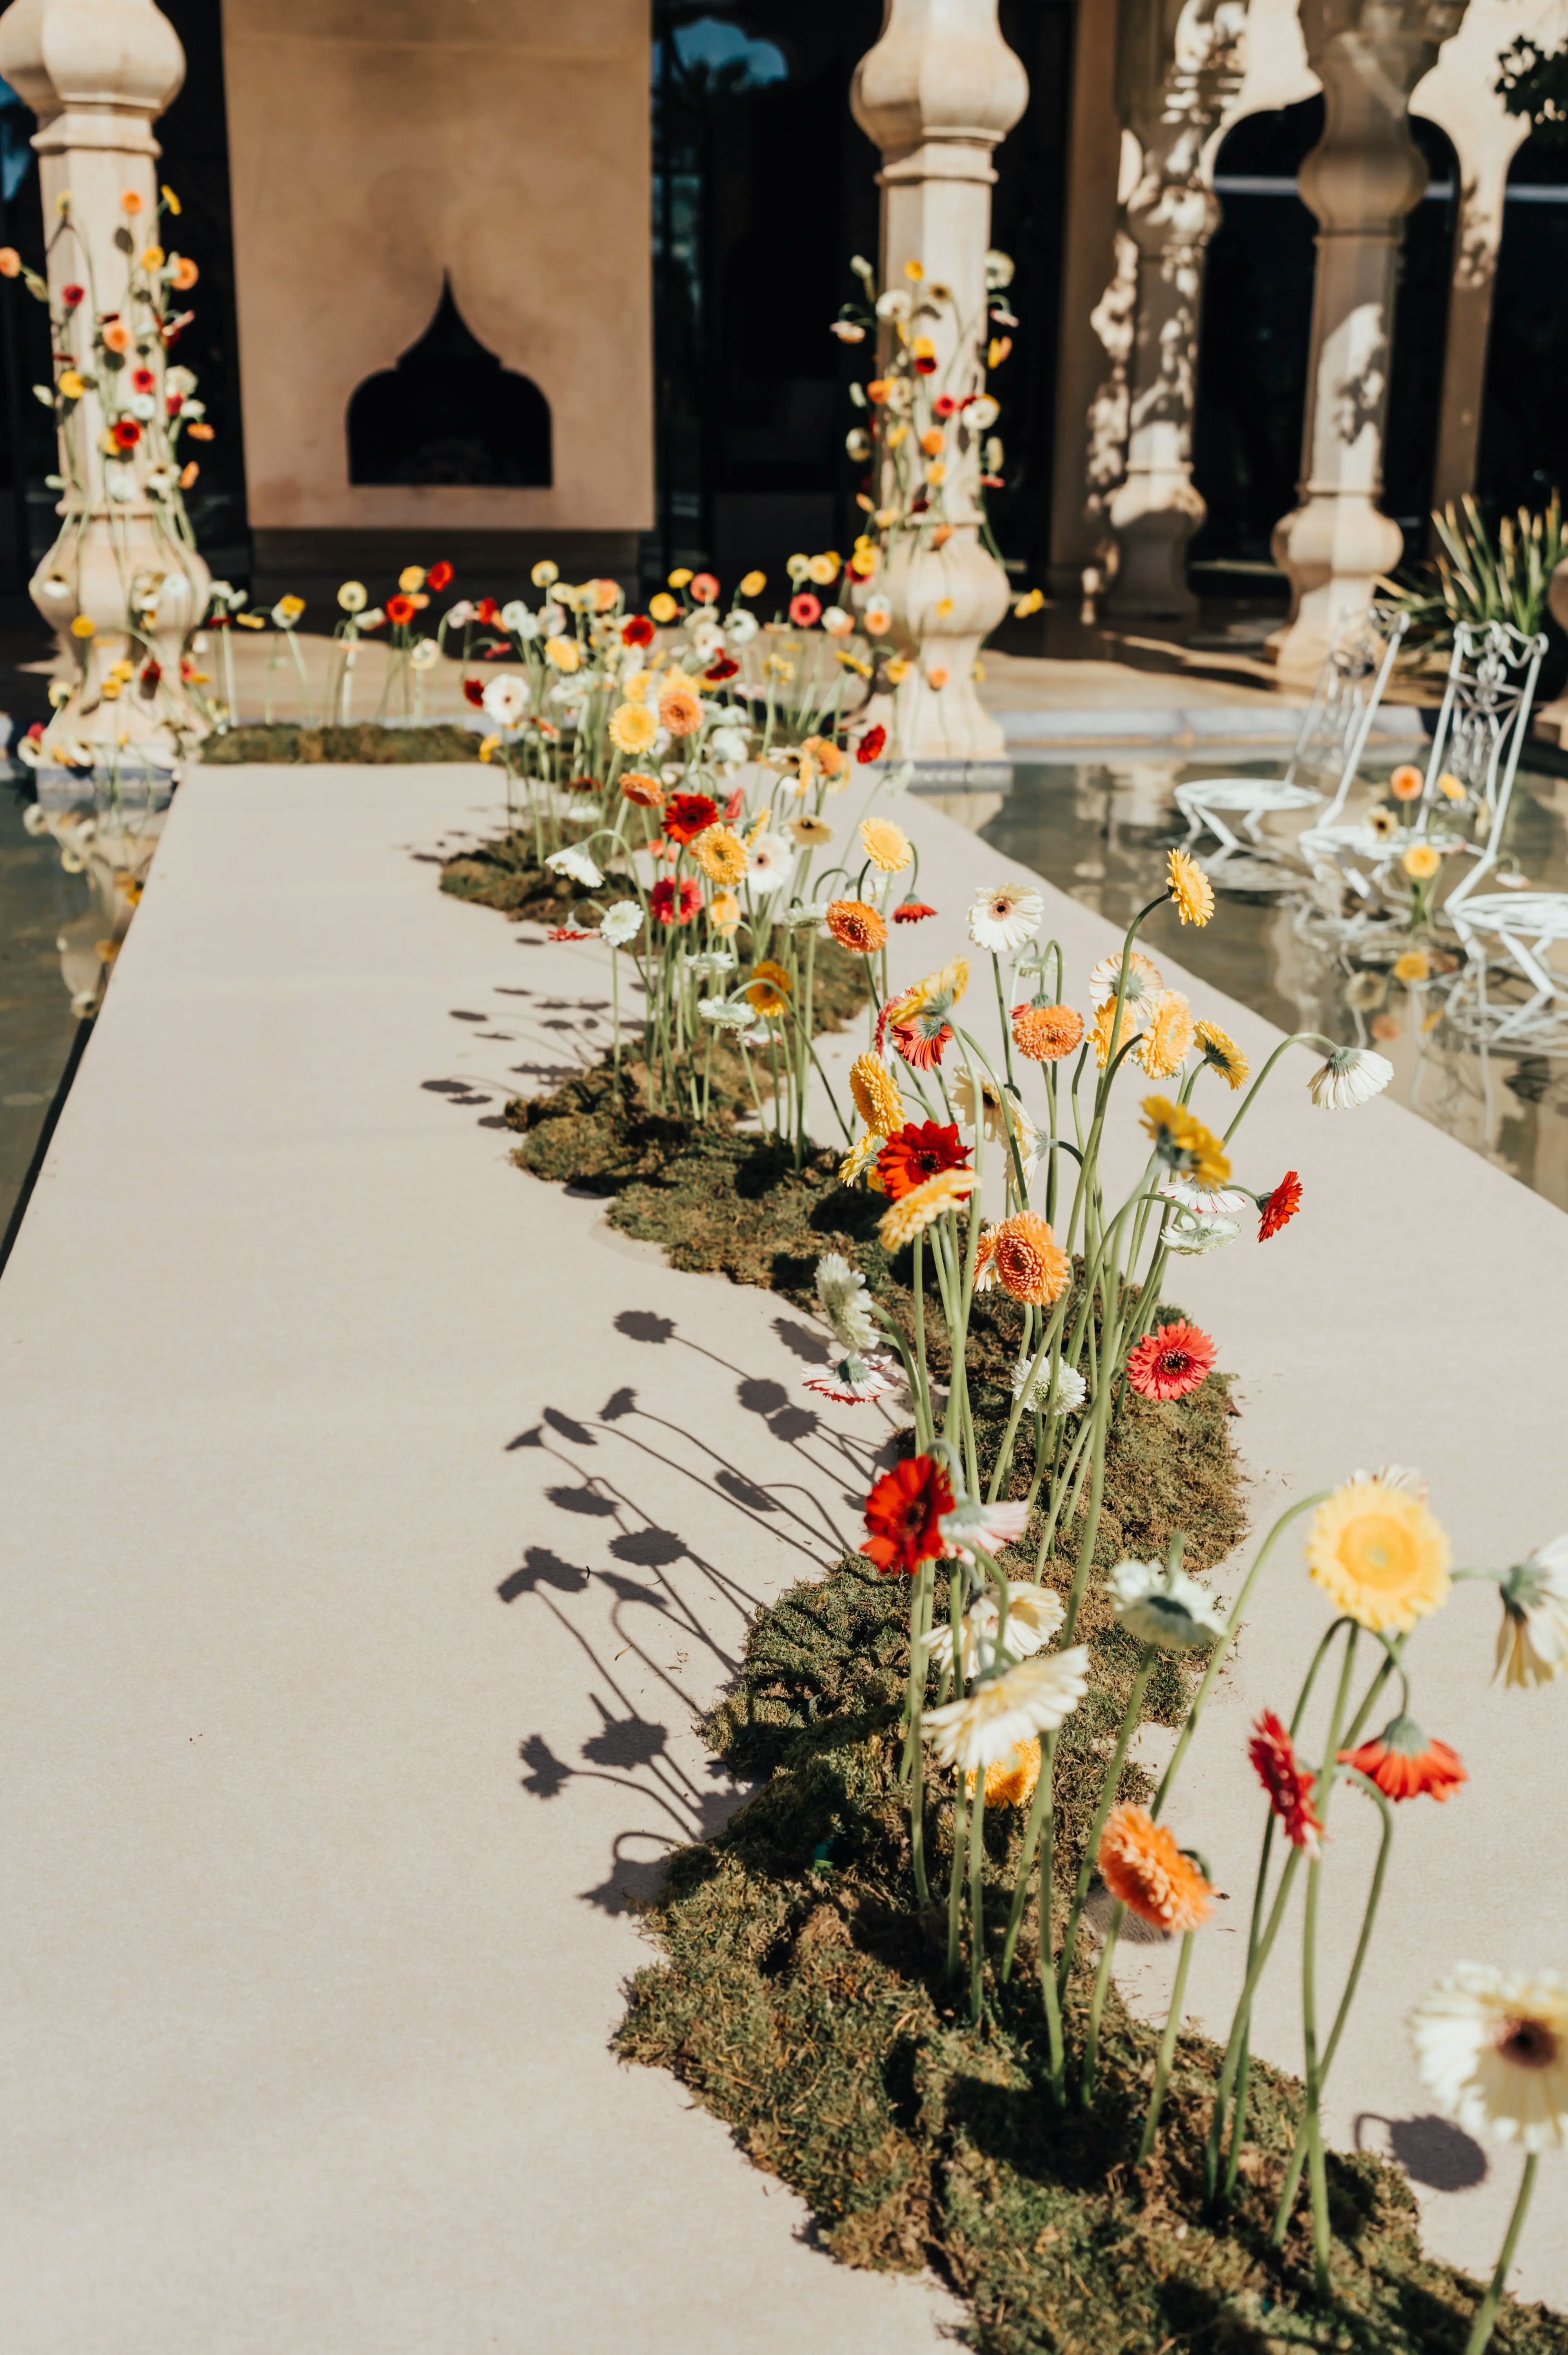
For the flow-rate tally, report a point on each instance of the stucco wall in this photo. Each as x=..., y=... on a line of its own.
x=504, y=142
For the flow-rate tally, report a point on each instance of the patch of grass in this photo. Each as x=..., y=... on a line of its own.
x=366, y=741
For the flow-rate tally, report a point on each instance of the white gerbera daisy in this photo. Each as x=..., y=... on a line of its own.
x=574, y=860
x=805, y=916
x=846, y=1303
x=1034, y=1386
x=1033, y=1614
x=1006, y=918
x=1492, y=2049
x=1159, y=1604
x=1192, y=1232
x=726, y=1013
x=1351, y=1076
x=729, y=743
x=1208, y=1201
x=1033, y=1698
x=973, y=1524
x=854, y=1380
x=1144, y=984
x=771, y=860
x=506, y=698
x=1532, y=1641
x=621, y=921
x=740, y=627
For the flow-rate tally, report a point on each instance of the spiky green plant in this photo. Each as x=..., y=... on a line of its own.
x=1477, y=578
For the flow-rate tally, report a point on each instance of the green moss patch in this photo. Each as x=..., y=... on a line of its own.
x=365, y=742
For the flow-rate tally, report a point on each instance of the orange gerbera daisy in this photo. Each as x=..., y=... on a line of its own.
x=1404, y=1762
x=1023, y=1257
x=855, y=924
x=1010, y=1782
x=1145, y=1871
x=681, y=708
x=1045, y=1033
x=645, y=790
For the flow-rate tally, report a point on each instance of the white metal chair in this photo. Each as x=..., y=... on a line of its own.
x=1525, y=923
x=1333, y=734
x=1359, y=889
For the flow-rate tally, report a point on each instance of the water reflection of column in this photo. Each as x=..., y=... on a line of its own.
x=1181, y=66
x=96, y=76
x=936, y=93
x=1361, y=180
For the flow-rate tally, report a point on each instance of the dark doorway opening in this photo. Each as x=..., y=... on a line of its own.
x=449, y=412
x=1524, y=420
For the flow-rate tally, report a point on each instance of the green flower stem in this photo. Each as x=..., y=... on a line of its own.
x=1239, y=2024
x=1296, y=1038
x=1317, y=2170
x=1166, y=2052
x=956, y=1879
x=1047, y=1784
x=1129, y=1718
x=1238, y=2124
x=1487, y=2312
x=919, y=1619
x=1299, y=2154
x=1002, y=1008
x=977, y=1898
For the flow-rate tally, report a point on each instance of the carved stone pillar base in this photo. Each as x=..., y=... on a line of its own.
x=939, y=715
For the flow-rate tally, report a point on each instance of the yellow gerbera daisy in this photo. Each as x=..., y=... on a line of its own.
x=1190, y=888
x=721, y=854
x=1010, y=1782
x=906, y=1218
x=946, y=986
x=886, y=844
x=1168, y=1041
x=859, y=1157
x=1183, y=1143
x=1129, y=1027
x=876, y=1093
x=563, y=654
x=1379, y=1555
x=768, y=989
x=1421, y=862
x=632, y=728
x=1222, y=1055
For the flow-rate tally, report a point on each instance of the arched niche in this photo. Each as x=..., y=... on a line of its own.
x=1257, y=336
x=450, y=413
x=1524, y=455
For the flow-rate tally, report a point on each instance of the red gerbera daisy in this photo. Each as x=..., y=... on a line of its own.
x=567, y=933
x=582, y=784
x=805, y=609
x=904, y=1515
x=439, y=576
x=1289, y=1786
x=1404, y=1764
x=1280, y=1207
x=473, y=690
x=912, y=912
x=688, y=816
x=637, y=630
x=870, y=747
x=669, y=909
x=1172, y=1361
x=143, y=380
x=487, y=614
x=718, y=672
x=400, y=611
x=915, y=1152
x=127, y=432
x=73, y=296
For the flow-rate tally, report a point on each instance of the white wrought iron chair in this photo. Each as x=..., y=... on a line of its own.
x=1525, y=923
x=1361, y=891
x=1333, y=733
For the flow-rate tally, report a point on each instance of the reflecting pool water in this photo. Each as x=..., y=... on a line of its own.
x=41, y=907
x=1100, y=829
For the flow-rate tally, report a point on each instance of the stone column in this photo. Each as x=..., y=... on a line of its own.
x=1181, y=64
x=936, y=93
x=96, y=72
x=1090, y=430
x=1361, y=180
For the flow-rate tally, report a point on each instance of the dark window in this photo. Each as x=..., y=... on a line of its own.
x=449, y=412
x=1524, y=420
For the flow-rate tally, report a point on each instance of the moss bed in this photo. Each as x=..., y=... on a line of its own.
x=365, y=742
x=801, y=1995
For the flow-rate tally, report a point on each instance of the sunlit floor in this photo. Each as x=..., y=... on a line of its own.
x=1100, y=830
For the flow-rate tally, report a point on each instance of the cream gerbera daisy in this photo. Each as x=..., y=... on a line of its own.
x=876, y=1093
x=1033, y=1614
x=886, y=845
x=1168, y=1041
x=1351, y=1076
x=1492, y=2049
x=1033, y=1698
x=1379, y=1555
x=1532, y=1641
x=1006, y=918
x=1159, y=1604
x=919, y=1208
x=846, y=1303
x=861, y=1157
x=1190, y=888
x=1222, y=1055
x=1144, y=980
x=811, y=832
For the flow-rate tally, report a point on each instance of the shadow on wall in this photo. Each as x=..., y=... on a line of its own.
x=449, y=412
